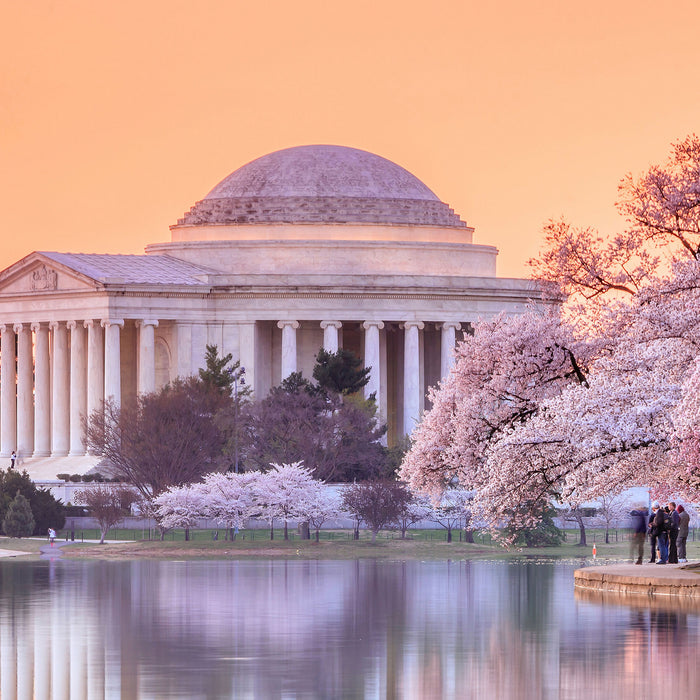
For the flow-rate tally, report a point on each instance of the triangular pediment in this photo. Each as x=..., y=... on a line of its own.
x=38, y=274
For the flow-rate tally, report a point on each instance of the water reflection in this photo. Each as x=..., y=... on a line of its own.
x=359, y=629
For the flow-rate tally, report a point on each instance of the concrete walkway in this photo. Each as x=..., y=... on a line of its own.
x=676, y=580
x=12, y=553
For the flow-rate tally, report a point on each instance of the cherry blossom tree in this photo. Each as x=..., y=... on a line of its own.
x=229, y=499
x=576, y=405
x=280, y=492
x=453, y=510
x=317, y=505
x=180, y=506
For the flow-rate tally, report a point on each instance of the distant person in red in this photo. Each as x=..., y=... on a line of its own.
x=52, y=535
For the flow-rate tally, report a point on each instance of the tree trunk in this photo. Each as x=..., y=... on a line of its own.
x=103, y=534
x=187, y=534
x=469, y=536
x=449, y=534
x=582, y=534
x=374, y=535
x=607, y=536
x=272, y=531
x=318, y=533
x=286, y=532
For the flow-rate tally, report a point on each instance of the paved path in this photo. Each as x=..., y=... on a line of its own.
x=12, y=553
x=678, y=580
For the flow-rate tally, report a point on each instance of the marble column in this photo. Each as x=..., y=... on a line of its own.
x=184, y=349
x=330, y=335
x=60, y=391
x=412, y=393
x=246, y=344
x=447, y=346
x=373, y=360
x=199, y=347
x=78, y=387
x=288, y=364
x=95, y=366
x=25, y=391
x=42, y=391
x=8, y=392
x=113, y=373
x=147, y=355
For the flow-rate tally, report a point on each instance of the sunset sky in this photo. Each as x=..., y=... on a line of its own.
x=116, y=117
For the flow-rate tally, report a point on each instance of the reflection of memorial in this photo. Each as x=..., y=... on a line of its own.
x=356, y=629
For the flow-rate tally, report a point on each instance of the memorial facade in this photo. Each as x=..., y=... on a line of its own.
x=309, y=247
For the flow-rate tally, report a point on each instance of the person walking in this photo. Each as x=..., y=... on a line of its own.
x=639, y=524
x=52, y=535
x=683, y=527
x=673, y=533
x=651, y=531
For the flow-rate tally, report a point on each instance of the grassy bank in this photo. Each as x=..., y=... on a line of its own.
x=420, y=544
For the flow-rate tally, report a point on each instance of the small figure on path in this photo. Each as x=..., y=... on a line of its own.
x=673, y=533
x=639, y=524
x=683, y=526
x=52, y=535
x=13, y=459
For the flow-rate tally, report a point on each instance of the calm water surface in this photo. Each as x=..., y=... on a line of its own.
x=346, y=629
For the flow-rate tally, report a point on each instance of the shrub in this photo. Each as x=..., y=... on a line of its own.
x=18, y=521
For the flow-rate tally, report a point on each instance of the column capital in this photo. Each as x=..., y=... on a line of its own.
x=71, y=325
x=366, y=325
x=290, y=324
x=446, y=325
x=88, y=323
x=413, y=324
x=53, y=325
x=107, y=322
x=17, y=327
x=147, y=322
x=331, y=324
x=35, y=326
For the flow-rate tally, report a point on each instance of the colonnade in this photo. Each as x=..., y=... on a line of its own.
x=53, y=374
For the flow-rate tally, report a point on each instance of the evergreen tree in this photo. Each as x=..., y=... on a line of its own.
x=340, y=372
x=18, y=521
x=218, y=376
x=47, y=510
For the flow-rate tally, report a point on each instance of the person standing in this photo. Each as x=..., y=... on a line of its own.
x=639, y=524
x=673, y=533
x=661, y=531
x=52, y=535
x=13, y=459
x=683, y=527
x=651, y=531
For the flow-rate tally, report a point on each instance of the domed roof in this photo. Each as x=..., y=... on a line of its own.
x=322, y=171
x=321, y=184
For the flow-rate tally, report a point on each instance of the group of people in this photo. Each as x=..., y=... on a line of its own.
x=667, y=529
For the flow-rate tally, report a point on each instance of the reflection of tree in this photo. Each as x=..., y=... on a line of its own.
x=340, y=629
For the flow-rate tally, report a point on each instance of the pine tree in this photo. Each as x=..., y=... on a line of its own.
x=19, y=521
x=219, y=376
x=340, y=372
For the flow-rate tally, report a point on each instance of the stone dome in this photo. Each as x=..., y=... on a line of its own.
x=324, y=185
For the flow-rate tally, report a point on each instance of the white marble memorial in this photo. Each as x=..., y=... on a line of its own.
x=309, y=247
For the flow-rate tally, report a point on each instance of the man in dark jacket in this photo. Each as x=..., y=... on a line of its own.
x=639, y=526
x=660, y=531
x=673, y=533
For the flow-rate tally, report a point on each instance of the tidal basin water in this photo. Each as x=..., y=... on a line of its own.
x=333, y=629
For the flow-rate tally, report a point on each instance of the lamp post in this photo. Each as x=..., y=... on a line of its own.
x=238, y=376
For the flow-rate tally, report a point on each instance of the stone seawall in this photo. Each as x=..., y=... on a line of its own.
x=649, y=580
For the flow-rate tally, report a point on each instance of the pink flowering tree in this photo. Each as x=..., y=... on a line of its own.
x=180, y=506
x=229, y=499
x=280, y=491
x=602, y=396
x=317, y=505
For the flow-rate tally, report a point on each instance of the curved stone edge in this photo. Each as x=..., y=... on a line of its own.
x=679, y=582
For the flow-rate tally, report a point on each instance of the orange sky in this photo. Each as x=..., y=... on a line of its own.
x=116, y=117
